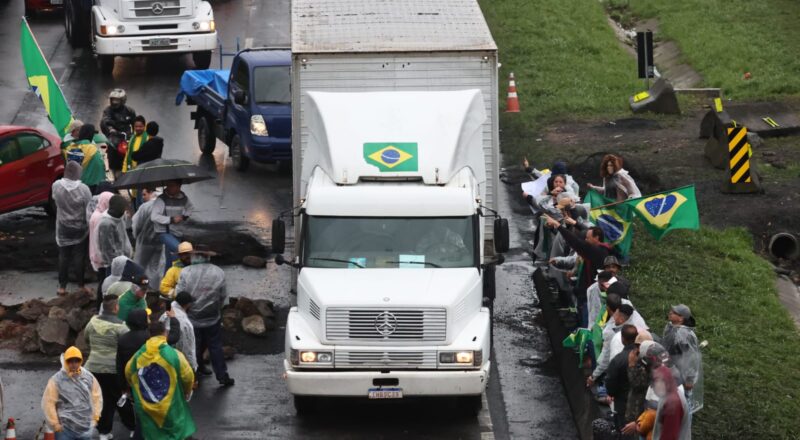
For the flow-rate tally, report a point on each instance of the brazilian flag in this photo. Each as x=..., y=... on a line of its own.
x=578, y=340
x=392, y=156
x=663, y=212
x=160, y=377
x=42, y=82
x=615, y=221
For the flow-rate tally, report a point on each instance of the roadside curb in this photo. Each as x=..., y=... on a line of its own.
x=581, y=402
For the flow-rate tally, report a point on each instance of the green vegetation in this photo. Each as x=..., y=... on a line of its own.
x=752, y=382
x=723, y=39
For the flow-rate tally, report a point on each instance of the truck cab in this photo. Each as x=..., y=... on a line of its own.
x=391, y=249
x=142, y=27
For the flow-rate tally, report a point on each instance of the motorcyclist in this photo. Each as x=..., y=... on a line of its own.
x=117, y=121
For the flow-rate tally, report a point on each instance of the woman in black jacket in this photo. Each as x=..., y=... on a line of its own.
x=152, y=148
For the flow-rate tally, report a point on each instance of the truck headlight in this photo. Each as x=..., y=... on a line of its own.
x=313, y=357
x=204, y=26
x=111, y=30
x=258, y=126
x=459, y=357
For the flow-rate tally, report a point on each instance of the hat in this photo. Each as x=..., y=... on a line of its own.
x=184, y=298
x=559, y=167
x=682, y=310
x=73, y=353
x=611, y=260
x=643, y=336
x=134, y=273
x=117, y=205
x=644, y=346
x=185, y=248
x=73, y=170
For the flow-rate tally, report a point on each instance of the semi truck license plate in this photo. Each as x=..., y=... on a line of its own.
x=159, y=42
x=385, y=393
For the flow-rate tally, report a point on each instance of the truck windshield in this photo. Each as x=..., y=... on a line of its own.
x=369, y=242
x=272, y=85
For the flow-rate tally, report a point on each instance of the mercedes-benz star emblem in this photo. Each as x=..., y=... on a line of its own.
x=385, y=323
x=158, y=8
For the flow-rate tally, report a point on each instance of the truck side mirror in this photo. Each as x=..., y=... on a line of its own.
x=501, y=242
x=278, y=236
x=239, y=97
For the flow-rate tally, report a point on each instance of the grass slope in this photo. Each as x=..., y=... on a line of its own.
x=723, y=39
x=752, y=382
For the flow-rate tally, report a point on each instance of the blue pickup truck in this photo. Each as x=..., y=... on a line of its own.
x=248, y=107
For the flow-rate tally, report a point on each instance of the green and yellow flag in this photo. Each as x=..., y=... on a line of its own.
x=663, y=212
x=392, y=156
x=614, y=220
x=42, y=82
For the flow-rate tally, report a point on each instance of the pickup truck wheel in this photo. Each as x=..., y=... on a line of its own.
x=106, y=63
x=470, y=406
x=240, y=162
x=202, y=60
x=304, y=405
x=205, y=138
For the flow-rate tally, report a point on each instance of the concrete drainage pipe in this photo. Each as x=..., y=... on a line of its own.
x=784, y=245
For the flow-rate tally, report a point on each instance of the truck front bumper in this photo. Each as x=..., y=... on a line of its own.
x=413, y=383
x=143, y=44
x=269, y=149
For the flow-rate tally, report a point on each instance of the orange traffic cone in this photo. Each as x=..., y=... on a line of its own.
x=512, y=102
x=48, y=433
x=11, y=432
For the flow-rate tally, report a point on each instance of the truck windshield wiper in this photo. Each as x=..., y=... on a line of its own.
x=427, y=263
x=338, y=261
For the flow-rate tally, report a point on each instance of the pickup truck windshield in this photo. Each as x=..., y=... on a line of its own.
x=369, y=242
x=272, y=85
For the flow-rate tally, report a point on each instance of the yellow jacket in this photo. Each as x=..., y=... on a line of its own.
x=170, y=280
x=61, y=402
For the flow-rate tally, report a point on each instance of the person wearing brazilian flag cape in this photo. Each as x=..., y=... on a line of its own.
x=161, y=382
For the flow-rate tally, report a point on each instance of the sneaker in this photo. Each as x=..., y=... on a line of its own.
x=227, y=381
x=205, y=371
x=106, y=436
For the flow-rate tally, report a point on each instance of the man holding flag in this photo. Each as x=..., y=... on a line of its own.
x=43, y=82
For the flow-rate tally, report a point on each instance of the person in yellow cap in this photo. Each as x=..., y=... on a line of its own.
x=170, y=280
x=72, y=400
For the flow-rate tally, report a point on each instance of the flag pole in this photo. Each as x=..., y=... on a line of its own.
x=39, y=48
x=639, y=198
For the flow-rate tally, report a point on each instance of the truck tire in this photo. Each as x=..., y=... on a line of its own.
x=30, y=13
x=75, y=26
x=240, y=162
x=202, y=60
x=305, y=405
x=470, y=406
x=205, y=138
x=106, y=63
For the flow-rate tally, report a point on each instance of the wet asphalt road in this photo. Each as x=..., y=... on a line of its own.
x=525, y=396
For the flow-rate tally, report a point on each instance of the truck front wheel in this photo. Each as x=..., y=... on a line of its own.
x=304, y=405
x=205, y=138
x=240, y=162
x=75, y=26
x=470, y=406
x=202, y=60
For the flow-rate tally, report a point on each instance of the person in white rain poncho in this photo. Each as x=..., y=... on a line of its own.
x=72, y=400
x=148, y=244
x=71, y=197
x=680, y=341
x=205, y=282
x=115, y=274
x=112, y=240
x=186, y=342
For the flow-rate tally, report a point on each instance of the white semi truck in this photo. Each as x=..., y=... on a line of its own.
x=141, y=27
x=395, y=161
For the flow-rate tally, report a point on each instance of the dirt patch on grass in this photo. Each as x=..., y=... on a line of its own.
x=666, y=152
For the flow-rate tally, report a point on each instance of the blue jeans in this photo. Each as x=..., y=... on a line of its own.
x=211, y=338
x=170, y=248
x=66, y=434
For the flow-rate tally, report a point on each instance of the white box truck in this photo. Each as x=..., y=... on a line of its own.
x=395, y=156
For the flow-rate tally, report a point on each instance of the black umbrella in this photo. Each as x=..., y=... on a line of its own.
x=160, y=171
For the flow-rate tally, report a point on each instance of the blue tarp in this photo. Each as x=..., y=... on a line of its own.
x=193, y=81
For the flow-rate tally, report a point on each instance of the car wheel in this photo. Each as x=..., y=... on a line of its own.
x=205, y=138
x=240, y=162
x=202, y=60
x=305, y=405
x=50, y=207
x=470, y=406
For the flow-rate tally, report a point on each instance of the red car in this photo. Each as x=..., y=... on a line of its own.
x=30, y=161
x=35, y=7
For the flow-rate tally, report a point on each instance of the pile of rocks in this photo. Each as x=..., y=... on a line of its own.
x=254, y=317
x=46, y=326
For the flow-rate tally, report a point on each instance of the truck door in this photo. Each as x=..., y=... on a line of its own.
x=239, y=115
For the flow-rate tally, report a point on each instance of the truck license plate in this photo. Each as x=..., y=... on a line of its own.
x=159, y=42
x=385, y=393
x=56, y=2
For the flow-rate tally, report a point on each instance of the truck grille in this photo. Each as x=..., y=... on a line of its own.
x=383, y=359
x=156, y=8
x=386, y=324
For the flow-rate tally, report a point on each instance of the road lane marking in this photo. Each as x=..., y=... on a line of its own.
x=485, y=420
